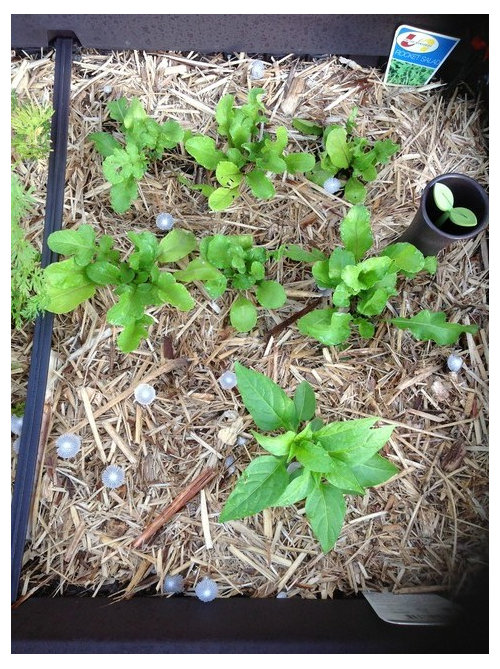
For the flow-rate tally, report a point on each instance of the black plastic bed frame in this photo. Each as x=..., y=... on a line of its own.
x=238, y=625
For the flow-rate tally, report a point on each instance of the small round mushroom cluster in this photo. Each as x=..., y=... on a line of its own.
x=206, y=590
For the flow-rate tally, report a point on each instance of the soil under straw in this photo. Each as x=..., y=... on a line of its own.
x=425, y=530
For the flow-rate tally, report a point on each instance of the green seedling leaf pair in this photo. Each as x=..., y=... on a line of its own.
x=335, y=459
x=145, y=140
x=249, y=155
x=139, y=282
x=345, y=156
x=242, y=267
x=444, y=200
x=361, y=288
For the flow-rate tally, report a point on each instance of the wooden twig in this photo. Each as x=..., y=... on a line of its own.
x=183, y=498
x=279, y=327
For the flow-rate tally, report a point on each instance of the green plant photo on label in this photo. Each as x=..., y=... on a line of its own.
x=444, y=201
x=331, y=460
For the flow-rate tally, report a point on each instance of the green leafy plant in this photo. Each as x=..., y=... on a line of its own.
x=349, y=158
x=335, y=459
x=444, y=200
x=139, y=282
x=26, y=287
x=30, y=125
x=362, y=287
x=242, y=267
x=126, y=161
x=408, y=74
x=249, y=154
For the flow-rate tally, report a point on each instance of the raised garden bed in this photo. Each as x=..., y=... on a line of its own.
x=423, y=531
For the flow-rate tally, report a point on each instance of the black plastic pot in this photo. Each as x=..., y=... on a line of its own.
x=424, y=233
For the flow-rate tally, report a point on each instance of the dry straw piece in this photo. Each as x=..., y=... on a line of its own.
x=426, y=530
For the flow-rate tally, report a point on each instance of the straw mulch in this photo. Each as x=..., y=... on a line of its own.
x=425, y=530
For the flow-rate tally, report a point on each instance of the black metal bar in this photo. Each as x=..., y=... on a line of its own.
x=40, y=354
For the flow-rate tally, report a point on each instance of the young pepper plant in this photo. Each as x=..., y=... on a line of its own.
x=352, y=159
x=335, y=459
x=139, y=282
x=361, y=288
x=242, y=267
x=145, y=140
x=249, y=154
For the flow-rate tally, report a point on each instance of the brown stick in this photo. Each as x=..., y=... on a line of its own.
x=279, y=327
x=183, y=498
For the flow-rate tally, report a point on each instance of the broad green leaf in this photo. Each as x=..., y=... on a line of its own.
x=66, y=286
x=279, y=445
x=243, y=314
x=297, y=253
x=364, y=449
x=260, y=185
x=305, y=401
x=104, y=273
x=307, y=127
x=224, y=114
x=176, y=244
x=463, y=217
x=222, y=198
x=79, y=243
x=342, y=476
x=216, y=287
x=257, y=270
x=124, y=164
x=337, y=148
x=235, y=156
x=430, y=264
x=297, y=163
x=204, y=151
x=259, y=487
x=130, y=306
x=405, y=257
x=433, y=326
x=339, y=259
x=366, y=274
x=373, y=301
x=325, y=510
x=198, y=269
x=205, y=189
x=270, y=294
x=267, y=403
x=374, y=471
x=133, y=333
x=316, y=424
x=341, y=435
x=385, y=148
x=217, y=250
x=354, y=191
x=312, y=456
x=320, y=271
x=146, y=249
x=228, y=174
x=123, y=194
x=443, y=197
x=174, y=293
x=356, y=232
x=298, y=489
x=134, y=114
x=118, y=109
x=271, y=162
x=326, y=325
x=366, y=329
x=170, y=134
x=105, y=143
x=342, y=295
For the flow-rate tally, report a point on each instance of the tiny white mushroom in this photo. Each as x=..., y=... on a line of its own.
x=206, y=590
x=281, y=595
x=241, y=441
x=16, y=424
x=15, y=445
x=173, y=584
x=228, y=380
x=257, y=69
x=113, y=476
x=144, y=394
x=454, y=363
x=107, y=89
x=332, y=185
x=68, y=445
x=165, y=221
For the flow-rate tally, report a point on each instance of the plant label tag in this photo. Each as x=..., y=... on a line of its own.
x=416, y=55
x=415, y=609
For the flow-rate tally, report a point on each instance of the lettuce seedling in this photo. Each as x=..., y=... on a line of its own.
x=145, y=140
x=361, y=288
x=139, y=282
x=444, y=200
x=248, y=156
x=242, y=267
x=336, y=459
x=346, y=156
